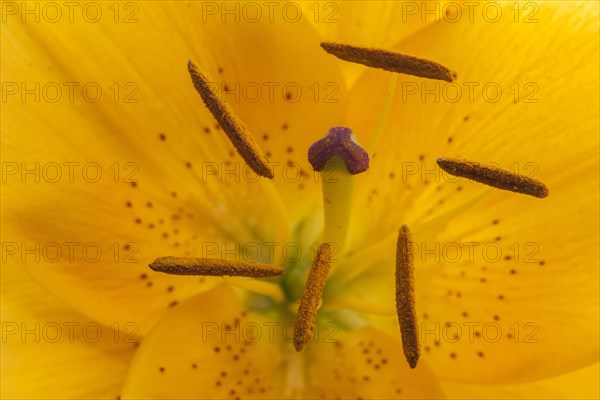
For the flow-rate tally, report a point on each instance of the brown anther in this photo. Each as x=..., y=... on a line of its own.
x=235, y=129
x=313, y=290
x=405, y=297
x=493, y=176
x=390, y=61
x=214, y=267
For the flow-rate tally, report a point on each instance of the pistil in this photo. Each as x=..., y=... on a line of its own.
x=338, y=158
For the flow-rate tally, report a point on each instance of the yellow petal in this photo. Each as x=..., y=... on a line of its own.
x=528, y=275
x=227, y=351
x=542, y=292
x=364, y=364
x=209, y=347
x=518, y=285
x=403, y=183
x=533, y=274
x=302, y=92
x=98, y=263
x=371, y=23
x=50, y=351
x=164, y=188
x=580, y=384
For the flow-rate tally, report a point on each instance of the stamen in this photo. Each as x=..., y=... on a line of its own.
x=313, y=290
x=389, y=61
x=405, y=297
x=495, y=177
x=214, y=267
x=235, y=129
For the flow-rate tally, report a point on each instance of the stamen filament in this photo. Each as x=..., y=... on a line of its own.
x=294, y=378
x=281, y=226
x=362, y=305
x=439, y=221
x=364, y=259
x=405, y=297
x=313, y=290
x=495, y=177
x=214, y=267
x=383, y=116
x=235, y=129
x=389, y=61
x=264, y=288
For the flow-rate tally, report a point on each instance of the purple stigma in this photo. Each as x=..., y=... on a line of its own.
x=338, y=142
